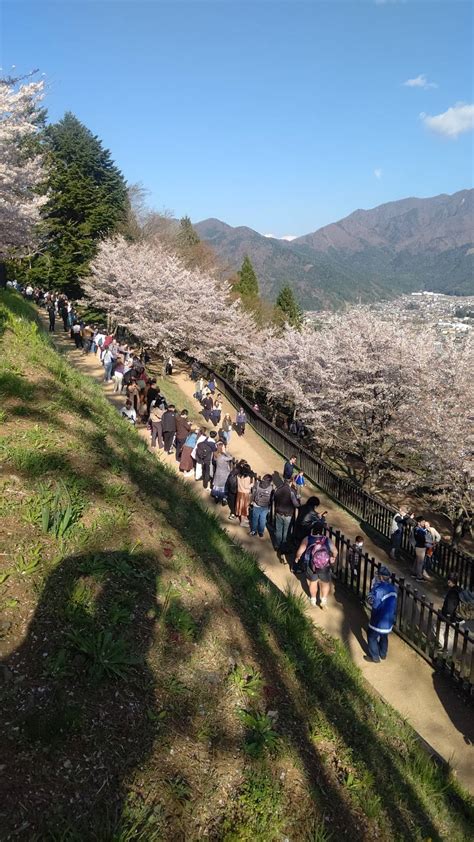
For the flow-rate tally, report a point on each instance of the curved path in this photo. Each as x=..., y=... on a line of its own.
x=429, y=702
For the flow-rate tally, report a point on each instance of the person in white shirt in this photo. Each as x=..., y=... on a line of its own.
x=128, y=412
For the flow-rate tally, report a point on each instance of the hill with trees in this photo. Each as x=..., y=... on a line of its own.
x=398, y=247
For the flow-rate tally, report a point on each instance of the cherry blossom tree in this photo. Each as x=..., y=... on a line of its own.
x=447, y=441
x=20, y=164
x=146, y=288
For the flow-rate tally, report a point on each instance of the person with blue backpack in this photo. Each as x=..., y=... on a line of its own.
x=319, y=556
x=383, y=603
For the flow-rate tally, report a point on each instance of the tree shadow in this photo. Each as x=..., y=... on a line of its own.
x=80, y=695
x=354, y=618
x=341, y=696
x=457, y=706
x=13, y=385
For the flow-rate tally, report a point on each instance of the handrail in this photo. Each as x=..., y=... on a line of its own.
x=444, y=643
x=347, y=494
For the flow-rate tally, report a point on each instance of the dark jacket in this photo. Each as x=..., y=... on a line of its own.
x=207, y=403
x=168, y=422
x=285, y=500
x=419, y=535
x=231, y=484
x=305, y=521
x=451, y=602
x=150, y=396
x=288, y=469
x=183, y=427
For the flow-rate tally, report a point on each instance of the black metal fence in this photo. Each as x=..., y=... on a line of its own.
x=445, y=644
x=368, y=509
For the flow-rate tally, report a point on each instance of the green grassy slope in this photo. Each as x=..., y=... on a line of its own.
x=155, y=686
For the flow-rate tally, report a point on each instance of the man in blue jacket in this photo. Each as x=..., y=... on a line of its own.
x=383, y=601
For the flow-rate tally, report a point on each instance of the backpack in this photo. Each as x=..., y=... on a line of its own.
x=317, y=555
x=262, y=496
x=465, y=609
x=204, y=452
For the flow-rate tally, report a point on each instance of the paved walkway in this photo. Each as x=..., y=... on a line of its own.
x=406, y=681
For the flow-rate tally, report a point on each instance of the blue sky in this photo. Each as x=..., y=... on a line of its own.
x=283, y=116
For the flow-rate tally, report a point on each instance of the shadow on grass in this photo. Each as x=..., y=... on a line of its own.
x=13, y=385
x=330, y=682
x=326, y=683
x=82, y=694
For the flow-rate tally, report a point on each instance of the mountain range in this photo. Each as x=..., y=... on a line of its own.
x=402, y=246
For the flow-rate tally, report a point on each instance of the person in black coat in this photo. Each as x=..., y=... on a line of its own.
x=231, y=490
x=207, y=404
x=451, y=600
x=307, y=517
x=168, y=424
x=52, y=316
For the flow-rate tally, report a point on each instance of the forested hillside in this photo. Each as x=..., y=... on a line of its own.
x=398, y=247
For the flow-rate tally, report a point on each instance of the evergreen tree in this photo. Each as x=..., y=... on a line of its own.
x=87, y=200
x=247, y=285
x=187, y=236
x=288, y=309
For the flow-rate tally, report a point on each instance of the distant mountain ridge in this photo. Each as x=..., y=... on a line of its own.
x=397, y=247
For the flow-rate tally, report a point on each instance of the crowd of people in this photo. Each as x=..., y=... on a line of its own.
x=270, y=503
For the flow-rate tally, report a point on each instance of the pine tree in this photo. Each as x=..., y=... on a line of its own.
x=288, y=309
x=87, y=199
x=187, y=236
x=247, y=285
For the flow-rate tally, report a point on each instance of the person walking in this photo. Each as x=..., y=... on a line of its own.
x=240, y=421
x=419, y=539
x=432, y=540
x=319, y=556
x=63, y=313
x=307, y=517
x=286, y=503
x=202, y=436
x=222, y=467
x=216, y=411
x=183, y=427
x=452, y=598
x=186, y=462
x=400, y=520
x=383, y=602
x=261, y=496
x=108, y=362
x=204, y=453
x=289, y=467
x=227, y=427
x=77, y=335
x=207, y=405
x=231, y=490
x=156, y=414
x=52, y=316
x=128, y=412
x=168, y=423
x=118, y=375
x=244, y=486
x=355, y=554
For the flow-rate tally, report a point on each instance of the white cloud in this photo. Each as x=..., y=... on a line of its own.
x=378, y=173
x=420, y=82
x=453, y=122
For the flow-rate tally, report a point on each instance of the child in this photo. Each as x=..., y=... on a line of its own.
x=355, y=553
x=299, y=480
